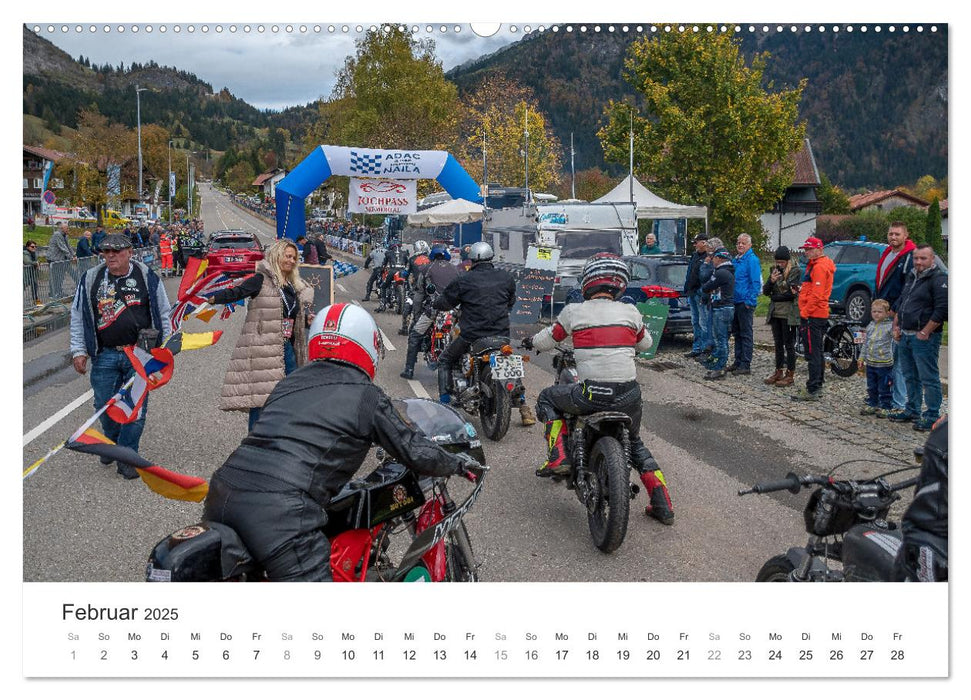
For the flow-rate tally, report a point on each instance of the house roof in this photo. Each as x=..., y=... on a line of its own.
x=45, y=153
x=268, y=175
x=807, y=174
x=861, y=201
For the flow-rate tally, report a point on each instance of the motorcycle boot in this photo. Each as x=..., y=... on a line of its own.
x=558, y=461
x=411, y=357
x=659, y=506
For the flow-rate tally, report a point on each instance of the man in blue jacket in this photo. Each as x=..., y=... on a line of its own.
x=748, y=286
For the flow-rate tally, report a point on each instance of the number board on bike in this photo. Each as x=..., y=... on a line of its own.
x=506, y=366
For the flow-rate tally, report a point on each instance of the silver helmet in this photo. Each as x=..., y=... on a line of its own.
x=481, y=252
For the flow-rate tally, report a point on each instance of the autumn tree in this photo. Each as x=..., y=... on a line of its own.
x=709, y=132
x=392, y=93
x=99, y=147
x=497, y=116
x=832, y=197
x=591, y=184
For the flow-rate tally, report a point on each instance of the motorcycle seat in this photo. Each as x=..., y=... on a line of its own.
x=489, y=344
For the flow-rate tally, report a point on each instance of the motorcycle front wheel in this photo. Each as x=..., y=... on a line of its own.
x=777, y=570
x=494, y=411
x=459, y=558
x=608, y=515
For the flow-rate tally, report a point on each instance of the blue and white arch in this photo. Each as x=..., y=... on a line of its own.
x=325, y=161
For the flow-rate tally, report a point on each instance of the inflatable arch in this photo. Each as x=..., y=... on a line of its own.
x=325, y=161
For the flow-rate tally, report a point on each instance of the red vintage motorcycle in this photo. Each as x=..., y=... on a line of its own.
x=392, y=525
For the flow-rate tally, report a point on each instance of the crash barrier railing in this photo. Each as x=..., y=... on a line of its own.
x=49, y=289
x=348, y=245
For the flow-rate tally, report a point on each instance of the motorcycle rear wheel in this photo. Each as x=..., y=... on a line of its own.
x=494, y=411
x=839, y=344
x=459, y=558
x=609, y=515
x=777, y=570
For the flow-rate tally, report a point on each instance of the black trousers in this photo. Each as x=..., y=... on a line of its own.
x=581, y=399
x=813, y=330
x=375, y=276
x=452, y=354
x=784, y=337
x=282, y=529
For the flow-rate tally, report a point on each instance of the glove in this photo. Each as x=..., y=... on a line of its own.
x=526, y=343
x=469, y=467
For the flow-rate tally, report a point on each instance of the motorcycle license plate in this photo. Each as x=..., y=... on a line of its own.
x=859, y=337
x=507, y=366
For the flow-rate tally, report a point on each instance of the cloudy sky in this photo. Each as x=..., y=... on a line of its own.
x=269, y=69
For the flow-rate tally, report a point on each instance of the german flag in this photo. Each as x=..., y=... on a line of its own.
x=179, y=487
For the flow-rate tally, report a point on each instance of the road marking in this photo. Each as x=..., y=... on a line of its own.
x=340, y=286
x=57, y=417
x=418, y=389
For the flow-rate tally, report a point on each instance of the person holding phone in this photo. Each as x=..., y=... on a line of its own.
x=782, y=288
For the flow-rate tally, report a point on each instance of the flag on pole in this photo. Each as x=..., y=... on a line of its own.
x=180, y=487
x=193, y=298
x=194, y=269
x=152, y=370
x=180, y=340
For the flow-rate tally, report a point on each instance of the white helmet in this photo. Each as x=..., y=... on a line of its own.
x=481, y=252
x=346, y=333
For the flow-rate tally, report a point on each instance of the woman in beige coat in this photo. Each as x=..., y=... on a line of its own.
x=273, y=342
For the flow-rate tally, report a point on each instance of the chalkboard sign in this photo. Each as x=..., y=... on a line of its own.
x=532, y=286
x=321, y=278
x=655, y=313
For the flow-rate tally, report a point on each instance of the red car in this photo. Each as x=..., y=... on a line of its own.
x=233, y=252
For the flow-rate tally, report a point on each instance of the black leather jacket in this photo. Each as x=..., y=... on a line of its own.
x=316, y=429
x=486, y=295
x=927, y=514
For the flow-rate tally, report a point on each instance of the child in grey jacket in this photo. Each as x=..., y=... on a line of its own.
x=877, y=355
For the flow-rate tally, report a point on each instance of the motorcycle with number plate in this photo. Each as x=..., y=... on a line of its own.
x=392, y=525
x=438, y=337
x=847, y=524
x=484, y=381
x=599, y=446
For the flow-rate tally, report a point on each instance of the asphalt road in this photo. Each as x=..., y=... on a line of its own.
x=82, y=522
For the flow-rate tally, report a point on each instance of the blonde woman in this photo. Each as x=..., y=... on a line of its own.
x=273, y=341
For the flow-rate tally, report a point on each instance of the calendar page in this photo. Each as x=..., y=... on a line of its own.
x=220, y=479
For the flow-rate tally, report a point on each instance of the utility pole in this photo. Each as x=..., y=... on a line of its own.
x=188, y=188
x=526, y=151
x=573, y=172
x=169, y=188
x=631, y=155
x=138, y=118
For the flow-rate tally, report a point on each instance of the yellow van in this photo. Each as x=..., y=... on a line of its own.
x=114, y=219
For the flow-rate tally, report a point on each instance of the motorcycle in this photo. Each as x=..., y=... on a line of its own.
x=484, y=380
x=368, y=522
x=438, y=338
x=599, y=445
x=847, y=523
x=841, y=347
x=394, y=295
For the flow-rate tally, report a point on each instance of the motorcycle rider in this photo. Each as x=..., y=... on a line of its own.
x=486, y=295
x=606, y=334
x=923, y=554
x=440, y=273
x=418, y=261
x=394, y=258
x=315, y=430
x=375, y=257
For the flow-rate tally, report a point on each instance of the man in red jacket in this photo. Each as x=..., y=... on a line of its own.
x=895, y=265
x=817, y=285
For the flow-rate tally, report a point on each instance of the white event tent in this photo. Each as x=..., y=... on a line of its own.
x=649, y=205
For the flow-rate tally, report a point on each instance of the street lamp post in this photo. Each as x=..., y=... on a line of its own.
x=138, y=113
x=169, y=184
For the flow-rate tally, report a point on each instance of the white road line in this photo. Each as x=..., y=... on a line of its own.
x=340, y=286
x=57, y=417
x=418, y=389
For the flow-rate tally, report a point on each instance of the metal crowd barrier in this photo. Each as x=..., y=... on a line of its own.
x=49, y=289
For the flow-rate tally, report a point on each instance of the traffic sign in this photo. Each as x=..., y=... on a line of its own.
x=49, y=197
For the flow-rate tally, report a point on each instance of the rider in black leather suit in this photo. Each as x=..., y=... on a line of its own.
x=315, y=430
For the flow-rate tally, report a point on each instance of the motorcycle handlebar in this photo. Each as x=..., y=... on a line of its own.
x=792, y=483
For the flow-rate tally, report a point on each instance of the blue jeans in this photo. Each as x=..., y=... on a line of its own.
x=918, y=362
x=109, y=372
x=878, y=389
x=721, y=325
x=699, y=322
x=289, y=364
x=744, y=335
x=899, y=383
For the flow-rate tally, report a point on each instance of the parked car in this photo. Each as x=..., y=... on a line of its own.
x=234, y=252
x=854, y=283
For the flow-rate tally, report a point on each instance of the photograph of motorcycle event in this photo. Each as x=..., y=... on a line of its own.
x=625, y=302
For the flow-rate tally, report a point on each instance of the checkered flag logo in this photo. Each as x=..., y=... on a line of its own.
x=365, y=164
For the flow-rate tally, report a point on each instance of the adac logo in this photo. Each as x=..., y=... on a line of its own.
x=366, y=163
x=384, y=187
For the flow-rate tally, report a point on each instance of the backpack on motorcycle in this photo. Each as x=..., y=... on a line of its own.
x=206, y=551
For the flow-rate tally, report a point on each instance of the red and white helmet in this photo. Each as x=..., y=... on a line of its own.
x=346, y=333
x=604, y=272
